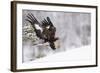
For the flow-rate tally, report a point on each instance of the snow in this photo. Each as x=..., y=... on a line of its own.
x=70, y=55
x=73, y=57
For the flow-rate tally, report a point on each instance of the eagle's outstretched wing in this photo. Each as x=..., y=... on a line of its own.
x=35, y=24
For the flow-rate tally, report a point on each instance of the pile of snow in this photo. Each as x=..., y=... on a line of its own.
x=73, y=57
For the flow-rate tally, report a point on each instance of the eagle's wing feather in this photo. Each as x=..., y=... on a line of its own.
x=31, y=17
x=33, y=21
x=49, y=21
x=44, y=23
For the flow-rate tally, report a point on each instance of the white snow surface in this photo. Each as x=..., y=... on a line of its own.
x=73, y=57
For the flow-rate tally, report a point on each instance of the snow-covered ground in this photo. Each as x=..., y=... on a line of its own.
x=73, y=57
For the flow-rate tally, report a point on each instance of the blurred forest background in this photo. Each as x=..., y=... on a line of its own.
x=72, y=28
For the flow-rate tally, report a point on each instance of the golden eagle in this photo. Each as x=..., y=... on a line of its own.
x=44, y=30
